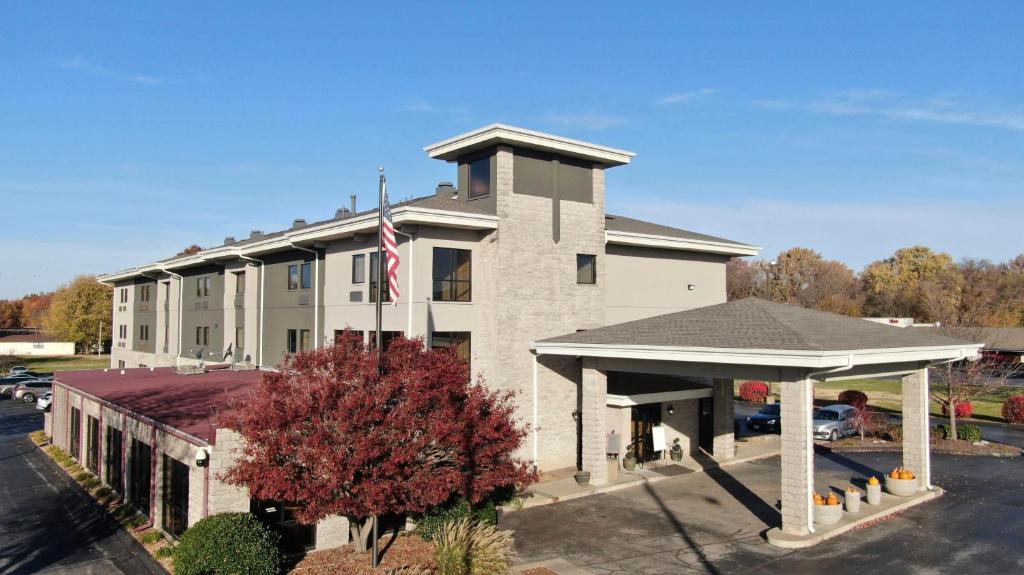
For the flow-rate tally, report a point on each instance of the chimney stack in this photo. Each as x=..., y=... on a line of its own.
x=255, y=234
x=298, y=223
x=353, y=208
x=341, y=213
x=229, y=241
x=445, y=190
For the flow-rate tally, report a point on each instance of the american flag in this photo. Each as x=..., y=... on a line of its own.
x=390, y=246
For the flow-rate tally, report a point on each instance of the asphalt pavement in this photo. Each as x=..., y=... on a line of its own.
x=47, y=523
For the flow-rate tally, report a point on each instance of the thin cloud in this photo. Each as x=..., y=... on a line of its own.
x=687, y=97
x=425, y=107
x=892, y=106
x=80, y=64
x=591, y=121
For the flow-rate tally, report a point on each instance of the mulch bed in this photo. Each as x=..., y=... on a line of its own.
x=948, y=446
x=406, y=551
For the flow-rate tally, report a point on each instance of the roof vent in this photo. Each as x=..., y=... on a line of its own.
x=445, y=190
x=342, y=213
x=229, y=241
x=255, y=234
x=298, y=223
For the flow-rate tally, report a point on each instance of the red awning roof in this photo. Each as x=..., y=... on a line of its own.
x=187, y=403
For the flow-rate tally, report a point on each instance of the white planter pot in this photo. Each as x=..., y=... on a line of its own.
x=852, y=501
x=901, y=487
x=827, y=514
x=874, y=494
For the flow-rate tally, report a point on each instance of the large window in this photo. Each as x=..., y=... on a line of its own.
x=384, y=290
x=453, y=274
x=355, y=332
x=139, y=483
x=144, y=332
x=456, y=339
x=144, y=293
x=124, y=295
x=586, y=269
x=202, y=335
x=480, y=177
x=114, y=458
x=298, y=340
x=358, y=268
x=92, y=444
x=386, y=337
x=75, y=443
x=175, y=499
x=203, y=285
x=240, y=282
x=300, y=276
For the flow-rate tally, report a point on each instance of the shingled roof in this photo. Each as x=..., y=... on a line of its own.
x=754, y=323
x=635, y=226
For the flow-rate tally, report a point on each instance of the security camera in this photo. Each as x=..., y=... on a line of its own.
x=202, y=457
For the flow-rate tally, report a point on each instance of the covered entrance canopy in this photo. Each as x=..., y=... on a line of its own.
x=756, y=339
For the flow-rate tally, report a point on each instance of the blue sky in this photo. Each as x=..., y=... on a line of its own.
x=130, y=131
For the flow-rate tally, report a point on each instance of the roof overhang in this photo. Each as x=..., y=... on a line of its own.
x=494, y=134
x=763, y=357
x=327, y=231
x=684, y=244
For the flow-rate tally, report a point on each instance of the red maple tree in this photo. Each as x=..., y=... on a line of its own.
x=335, y=434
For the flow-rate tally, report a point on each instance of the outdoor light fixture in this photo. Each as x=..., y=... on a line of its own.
x=575, y=415
x=689, y=287
x=202, y=457
x=670, y=409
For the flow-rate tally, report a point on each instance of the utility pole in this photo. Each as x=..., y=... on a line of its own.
x=99, y=341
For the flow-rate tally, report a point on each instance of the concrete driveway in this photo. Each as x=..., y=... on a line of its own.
x=713, y=523
x=47, y=524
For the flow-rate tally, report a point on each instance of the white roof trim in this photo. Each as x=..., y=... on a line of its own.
x=671, y=243
x=642, y=398
x=770, y=357
x=323, y=231
x=503, y=134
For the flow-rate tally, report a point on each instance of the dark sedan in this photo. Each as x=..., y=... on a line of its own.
x=766, y=420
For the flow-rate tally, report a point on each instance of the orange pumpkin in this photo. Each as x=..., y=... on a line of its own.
x=906, y=475
x=832, y=499
x=818, y=499
x=895, y=473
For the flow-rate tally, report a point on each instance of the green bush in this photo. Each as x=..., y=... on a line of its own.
x=151, y=537
x=968, y=432
x=228, y=543
x=168, y=551
x=83, y=475
x=91, y=482
x=458, y=508
x=467, y=547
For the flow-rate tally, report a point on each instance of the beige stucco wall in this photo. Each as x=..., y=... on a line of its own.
x=44, y=348
x=645, y=282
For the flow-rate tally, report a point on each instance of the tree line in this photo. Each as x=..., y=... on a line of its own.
x=78, y=312
x=914, y=282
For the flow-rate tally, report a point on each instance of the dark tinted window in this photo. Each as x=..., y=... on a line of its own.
x=452, y=274
x=480, y=177
x=772, y=409
x=586, y=269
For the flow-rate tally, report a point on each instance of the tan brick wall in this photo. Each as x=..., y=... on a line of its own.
x=683, y=424
x=723, y=446
x=225, y=497
x=797, y=456
x=594, y=405
x=916, y=433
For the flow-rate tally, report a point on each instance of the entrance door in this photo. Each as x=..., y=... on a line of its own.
x=141, y=474
x=644, y=418
x=706, y=424
x=296, y=538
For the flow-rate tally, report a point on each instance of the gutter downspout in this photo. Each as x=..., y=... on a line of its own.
x=810, y=436
x=412, y=276
x=534, y=402
x=316, y=293
x=181, y=293
x=928, y=417
x=259, y=334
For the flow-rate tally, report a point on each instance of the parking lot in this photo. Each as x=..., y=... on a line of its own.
x=47, y=523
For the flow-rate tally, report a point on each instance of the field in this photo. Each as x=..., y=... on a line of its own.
x=886, y=395
x=47, y=365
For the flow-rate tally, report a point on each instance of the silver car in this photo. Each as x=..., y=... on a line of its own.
x=45, y=401
x=834, y=421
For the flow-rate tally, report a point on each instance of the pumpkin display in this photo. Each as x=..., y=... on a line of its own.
x=905, y=474
x=873, y=480
x=833, y=499
x=895, y=473
x=818, y=499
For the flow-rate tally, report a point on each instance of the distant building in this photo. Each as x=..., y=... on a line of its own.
x=31, y=342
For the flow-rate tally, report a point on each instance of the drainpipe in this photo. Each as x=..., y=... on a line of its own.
x=810, y=436
x=259, y=334
x=181, y=292
x=927, y=416
x=534, y=402
x=412, y=276
x=316, y=293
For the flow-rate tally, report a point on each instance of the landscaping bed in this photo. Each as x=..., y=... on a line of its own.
x=407, y=551
x=948, y=446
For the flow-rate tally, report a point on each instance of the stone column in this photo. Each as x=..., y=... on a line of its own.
x=594, y=390
x=797, y=457
x=724, y=425
x=916, y=434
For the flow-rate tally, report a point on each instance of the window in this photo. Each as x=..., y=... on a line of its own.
x=374, y=277
x=298, y=340
x=300, y=276
x=113, y=458
x=386, y=337
x=239, y=337
x=293, y=277
x=358, y=268
x=92, y=444
x=304, y=341
x=240, y=282
x=175, y=500
x=139, y=482
x=338, y=332
x=586, y=269
x=76, y=434
x=203, y=286
x=457, y=339
x=296, y=538
x=120, y=363
x=480, y=177
x=144, y=293
x=202, y=335
x=452, y=274
x=307, y=276
x=124, y=295
x=144, y=332
x=122, y=331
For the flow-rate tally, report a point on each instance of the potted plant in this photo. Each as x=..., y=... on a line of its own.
x=629, y=461
x=874, y=491
x=827, y=509
x=852, y=499
x=901, y=482
x=676, y=453
x=582, y=477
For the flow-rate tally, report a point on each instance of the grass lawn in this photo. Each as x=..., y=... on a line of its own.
x=886, y=395
x=47, y=365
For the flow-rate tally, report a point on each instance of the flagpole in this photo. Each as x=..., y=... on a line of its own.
x=375, y=560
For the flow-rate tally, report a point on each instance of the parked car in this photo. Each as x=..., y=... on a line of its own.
x=44, y=401
x=30, y=390
x=18, y=370
x=768, y=419
x=8, y=383
x=834, y=421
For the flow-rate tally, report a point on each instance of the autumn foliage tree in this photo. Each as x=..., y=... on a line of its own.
x=79, y=311
x=334, y=434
